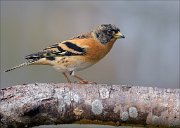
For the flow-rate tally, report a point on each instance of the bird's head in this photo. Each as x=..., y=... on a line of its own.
x=106, y=32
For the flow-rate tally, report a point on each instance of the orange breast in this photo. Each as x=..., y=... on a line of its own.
x=95, y=50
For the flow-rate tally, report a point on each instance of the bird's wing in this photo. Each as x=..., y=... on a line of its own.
x=65, y=48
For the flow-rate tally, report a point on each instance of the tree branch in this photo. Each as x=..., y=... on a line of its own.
x=40, y=104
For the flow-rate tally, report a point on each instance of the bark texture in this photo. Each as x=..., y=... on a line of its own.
x=42, y=104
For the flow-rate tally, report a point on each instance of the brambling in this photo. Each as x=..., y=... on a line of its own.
x=76, y=53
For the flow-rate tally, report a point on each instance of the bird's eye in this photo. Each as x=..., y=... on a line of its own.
x=110, y=32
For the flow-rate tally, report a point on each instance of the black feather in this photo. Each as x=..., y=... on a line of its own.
x=74, y=47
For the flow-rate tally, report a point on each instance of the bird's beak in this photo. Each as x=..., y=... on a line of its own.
x=119, y=35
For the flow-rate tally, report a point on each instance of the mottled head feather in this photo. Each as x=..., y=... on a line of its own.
x=105, y=32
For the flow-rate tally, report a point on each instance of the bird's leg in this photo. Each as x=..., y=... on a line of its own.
x=81, y=80
x=65, y=75
x=69, y=81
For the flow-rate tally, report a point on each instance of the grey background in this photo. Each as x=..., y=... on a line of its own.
x=148, y=56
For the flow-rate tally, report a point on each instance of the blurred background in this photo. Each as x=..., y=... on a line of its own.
x=148, y=56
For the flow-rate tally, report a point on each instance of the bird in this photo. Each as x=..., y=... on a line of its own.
x=76, y=53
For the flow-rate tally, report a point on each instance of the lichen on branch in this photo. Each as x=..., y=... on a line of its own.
x=42, y=103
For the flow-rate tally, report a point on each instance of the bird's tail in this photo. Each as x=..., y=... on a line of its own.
x=21, y=65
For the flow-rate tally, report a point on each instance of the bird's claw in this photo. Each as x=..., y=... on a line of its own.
x=86, y=82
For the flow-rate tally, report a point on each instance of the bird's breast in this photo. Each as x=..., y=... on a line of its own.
x=70, y=63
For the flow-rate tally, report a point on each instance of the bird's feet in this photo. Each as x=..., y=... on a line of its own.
x=86, y=82
x=83, y=81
